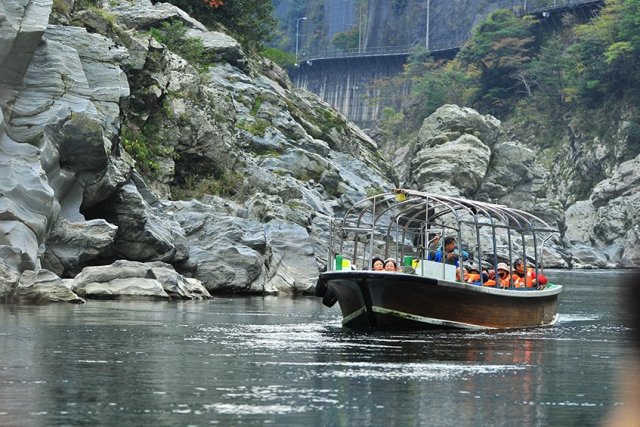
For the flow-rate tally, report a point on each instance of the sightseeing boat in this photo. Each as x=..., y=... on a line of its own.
x=429, y=290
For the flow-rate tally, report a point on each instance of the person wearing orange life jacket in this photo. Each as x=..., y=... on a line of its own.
x=475, y=277
x=528, y=279
x=490, y=279
x=503, y=277
x=521, y=279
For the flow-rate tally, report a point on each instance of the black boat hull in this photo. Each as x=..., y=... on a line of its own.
x=397, y=301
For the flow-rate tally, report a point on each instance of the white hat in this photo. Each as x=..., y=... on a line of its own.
x=503, y=266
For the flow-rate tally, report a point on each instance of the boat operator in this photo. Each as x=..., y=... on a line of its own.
x=450, y=254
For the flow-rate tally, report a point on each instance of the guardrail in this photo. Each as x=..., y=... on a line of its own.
x=520, y=7
x=374, y=51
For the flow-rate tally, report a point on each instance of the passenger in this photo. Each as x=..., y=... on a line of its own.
x=465, y=274
x=433, y=247
x=390, y=265
x=504, y=278
x=478, y=278
x=487, y=279
x=474, y=275
x=450, y=254
x=528, y=279
x=377, y=264
x=519, y=277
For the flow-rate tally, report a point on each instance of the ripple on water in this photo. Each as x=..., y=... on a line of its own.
x=415, y=371
x=388, y=371
x=246, y=409
x=289, y=337
x=272, y=399
x=566, y=318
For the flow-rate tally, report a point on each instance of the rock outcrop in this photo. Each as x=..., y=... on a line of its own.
x=606, y=227
x=130, y=279
x=85, y=107
x=461, y=152
x=107, y=137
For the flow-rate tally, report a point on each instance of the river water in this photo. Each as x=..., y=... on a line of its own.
x=288, y=362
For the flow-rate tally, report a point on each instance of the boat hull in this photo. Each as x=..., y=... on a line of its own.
x=397, y=301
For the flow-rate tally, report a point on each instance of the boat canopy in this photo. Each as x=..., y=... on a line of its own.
x=405, y=224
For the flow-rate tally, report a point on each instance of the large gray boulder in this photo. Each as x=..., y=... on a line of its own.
x=230, y=253
x=609, y=222
x=295, y=248
x=449, y=122
x=453, y=168
x=142, y=235
x=135, y=280
x=71, y=246
x=43, y=287
x=512, y=176
x=459, y=152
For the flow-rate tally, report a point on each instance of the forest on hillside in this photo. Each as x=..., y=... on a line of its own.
x=519, y=70
x=552, y=84
x=512, y=67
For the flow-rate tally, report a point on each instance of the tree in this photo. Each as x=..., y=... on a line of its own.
x=496, y=54
x=607, y=53
x=346, y=40
x=250, y=21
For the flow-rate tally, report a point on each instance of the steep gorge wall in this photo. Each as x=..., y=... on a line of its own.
x=383, y=23
x=348, y=84
x=450, y=22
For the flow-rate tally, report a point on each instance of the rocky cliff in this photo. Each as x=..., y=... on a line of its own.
x=82, y=88
x=461, y=152
x=129, y=170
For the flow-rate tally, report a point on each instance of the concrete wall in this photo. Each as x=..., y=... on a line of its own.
x=348, y=83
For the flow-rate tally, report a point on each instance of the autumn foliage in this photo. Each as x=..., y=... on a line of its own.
x=214, y=4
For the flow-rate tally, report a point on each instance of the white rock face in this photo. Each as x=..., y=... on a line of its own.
x=22, y=24
x=458, y=152
x=131, y=280
x=461, y=163
x=580, y=219
x=610, y=221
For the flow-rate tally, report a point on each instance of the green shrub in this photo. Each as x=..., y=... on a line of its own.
x=257, y=128
x=138, y=143
x=280, y=57
x=227, y=183
x=173, y=35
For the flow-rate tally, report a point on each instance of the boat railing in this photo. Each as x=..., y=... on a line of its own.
x=403, y=223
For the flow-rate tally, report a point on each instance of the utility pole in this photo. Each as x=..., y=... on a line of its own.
x=359, y=26
x=298, y=33
x=427, y=32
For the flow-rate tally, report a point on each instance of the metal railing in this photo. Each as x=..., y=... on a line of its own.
x=520, y=7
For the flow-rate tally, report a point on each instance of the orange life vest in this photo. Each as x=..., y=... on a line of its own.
x=525, y=281
x=472, y=277
x=505, y=282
